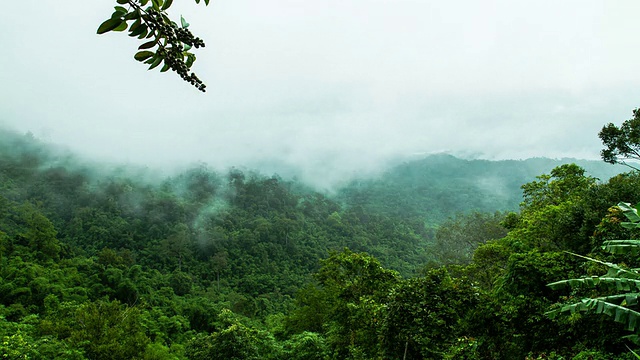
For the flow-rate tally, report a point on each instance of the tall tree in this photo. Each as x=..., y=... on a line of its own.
x=359, y=286
x=552, y=210
x=423, y=315
x=457, y=238
x=622, y=143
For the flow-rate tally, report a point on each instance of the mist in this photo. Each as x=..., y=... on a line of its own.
x=326, y=92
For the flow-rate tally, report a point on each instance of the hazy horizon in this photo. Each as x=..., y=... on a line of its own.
x=59, y=155
x=332, y=88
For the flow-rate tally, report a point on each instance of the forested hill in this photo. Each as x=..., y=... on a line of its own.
x=431, y=189
x=101, y=263
x=439, y=186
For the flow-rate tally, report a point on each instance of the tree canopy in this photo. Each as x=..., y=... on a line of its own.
x=206, y=265
x=622, y=143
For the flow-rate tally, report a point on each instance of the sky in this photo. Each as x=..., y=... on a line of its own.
x=331, y=88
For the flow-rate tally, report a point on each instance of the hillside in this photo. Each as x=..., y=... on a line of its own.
x=439, y=186
x=102, y=262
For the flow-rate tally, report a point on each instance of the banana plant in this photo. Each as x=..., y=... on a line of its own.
x=626, y=281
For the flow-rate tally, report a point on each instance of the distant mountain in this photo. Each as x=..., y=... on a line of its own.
x=431, y=189
x=438, y=186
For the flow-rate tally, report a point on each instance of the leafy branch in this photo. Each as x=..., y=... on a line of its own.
x=168, y=44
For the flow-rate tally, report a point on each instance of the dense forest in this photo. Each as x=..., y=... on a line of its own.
x=440, y=185
x=440, y=258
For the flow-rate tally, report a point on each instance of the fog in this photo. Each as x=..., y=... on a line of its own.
x=327, y=90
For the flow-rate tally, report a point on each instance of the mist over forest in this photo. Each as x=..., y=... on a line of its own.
x=329, y=180
x=429, y=259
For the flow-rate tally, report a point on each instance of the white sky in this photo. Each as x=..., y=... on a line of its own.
x=334, y=87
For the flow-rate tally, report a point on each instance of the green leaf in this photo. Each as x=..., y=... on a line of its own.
x=165, y=67
x=157, y=4
x=634, y=338
x=116, y=15
x=147, y=45
x=155, y=63
x=184, y=22
x=611, y=266
x=591, y=282
x=134, y=27
x=121, y=27
x=143, y=55
x=206, y=2
x=167, y=4
x=626, y=247
x=632, y=322
x=134, y=15
x=629, y=211
x=120, y=9
x=620, y=314
x=140, y=31
x=190, y=59
x=634, y=353
x=122, y=1
x=109, y=25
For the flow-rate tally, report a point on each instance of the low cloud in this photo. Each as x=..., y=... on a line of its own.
x=329, y=90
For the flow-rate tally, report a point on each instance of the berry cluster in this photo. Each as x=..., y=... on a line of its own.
x=186, y=37
x=172, y=52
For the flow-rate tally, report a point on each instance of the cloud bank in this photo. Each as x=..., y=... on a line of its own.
x=332, y=88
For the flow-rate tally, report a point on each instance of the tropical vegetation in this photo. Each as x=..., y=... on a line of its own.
x=110, y=263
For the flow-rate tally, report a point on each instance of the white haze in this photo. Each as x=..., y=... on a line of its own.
x=327, y=89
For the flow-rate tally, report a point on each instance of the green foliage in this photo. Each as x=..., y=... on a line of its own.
x=356, y=286
x=105, y=330
x=234, y=341
x=149, y=20
x=557, y=187
x=489, y=263
x=553, y=207
x=464, y=348
x=97, y=264
x=457, y=238
x=509, y=318
x=622, y=143
x=440, y=186
x=622, y=307
x=355, y=275
x=40, y=234
x=423, y=315
x=306, y=346
x=16, y=347
x=311, y=311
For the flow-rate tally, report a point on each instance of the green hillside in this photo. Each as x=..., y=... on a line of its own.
x=99, y=262
x=439, y=186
